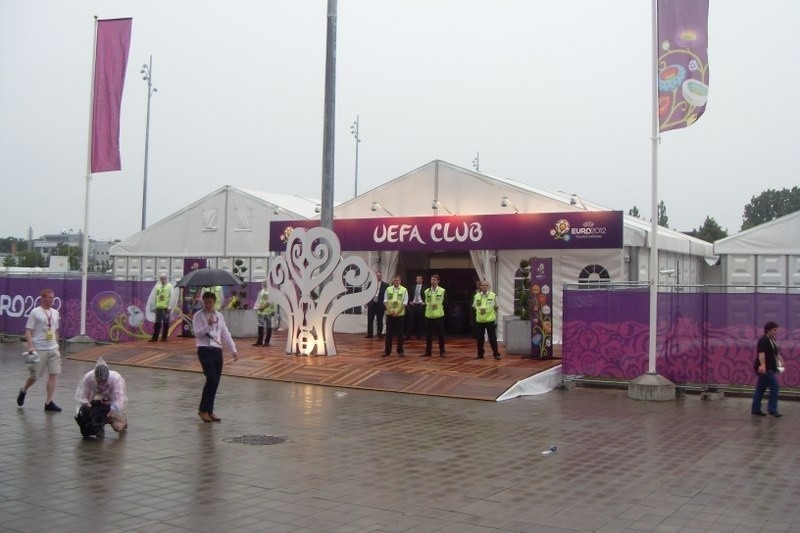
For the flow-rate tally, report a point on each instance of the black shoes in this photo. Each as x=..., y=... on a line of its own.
x=153, y=340
x=387, y=354
x=21, y=397
x=367, y=336
x=425, y=355
x=758, y=413
x=52, y=407
x=776, y=415
x=479, y=357
x=497, y=357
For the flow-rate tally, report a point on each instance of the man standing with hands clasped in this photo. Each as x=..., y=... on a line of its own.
x=375, y=307
x=210, y=333
x=163, y=302
x=767, y=365
x=485, y=305
x=395, y=300
x=434, y=316
x=41, y=334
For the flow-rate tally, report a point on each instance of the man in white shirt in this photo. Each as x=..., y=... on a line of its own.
x=210, y=334
x=41, y=334
x=416, y=309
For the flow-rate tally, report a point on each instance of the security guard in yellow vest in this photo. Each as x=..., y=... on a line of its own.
x=485, y=305
x=163, y=297
x=217, y=290
x=434, y=316
x=395, y=300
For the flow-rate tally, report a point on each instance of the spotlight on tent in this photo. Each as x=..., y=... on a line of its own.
x=375, y=206
x=437, y=204
x=505, y=202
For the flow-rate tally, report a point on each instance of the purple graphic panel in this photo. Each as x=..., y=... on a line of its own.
x=522, y=231
x=115, y=311
x=540, y=301
x=701, y=338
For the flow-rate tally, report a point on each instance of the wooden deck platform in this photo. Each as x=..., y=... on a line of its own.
x=359, y=365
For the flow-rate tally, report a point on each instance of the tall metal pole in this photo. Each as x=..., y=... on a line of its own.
x=326, y=217
x=147, y=71
x=653, y=265
x=355, y=131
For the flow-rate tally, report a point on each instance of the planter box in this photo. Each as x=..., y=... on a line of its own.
x=517, y=335
x=241, y=322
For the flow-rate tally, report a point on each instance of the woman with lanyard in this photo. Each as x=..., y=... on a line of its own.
x=210, y=333
x=767, y=365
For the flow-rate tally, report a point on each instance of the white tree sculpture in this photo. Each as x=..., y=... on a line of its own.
x=309, y=282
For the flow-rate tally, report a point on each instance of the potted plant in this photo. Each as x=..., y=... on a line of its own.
x=240, y=320
x=517, y=328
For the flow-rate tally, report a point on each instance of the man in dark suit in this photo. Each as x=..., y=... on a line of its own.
x=375, y=307
x=416, y=309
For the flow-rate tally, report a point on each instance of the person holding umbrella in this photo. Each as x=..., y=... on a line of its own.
x=210, y=333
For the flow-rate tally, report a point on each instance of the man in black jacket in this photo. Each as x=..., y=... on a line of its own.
x=375, y=307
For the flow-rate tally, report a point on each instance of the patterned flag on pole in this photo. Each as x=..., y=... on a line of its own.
x=682, y=62
x=111, y=59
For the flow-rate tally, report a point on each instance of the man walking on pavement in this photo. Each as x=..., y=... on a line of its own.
x=41, y=334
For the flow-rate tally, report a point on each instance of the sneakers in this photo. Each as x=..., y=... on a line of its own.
x=21, y=397
x=52, y=407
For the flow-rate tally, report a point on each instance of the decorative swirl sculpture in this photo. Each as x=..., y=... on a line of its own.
x=310, y=281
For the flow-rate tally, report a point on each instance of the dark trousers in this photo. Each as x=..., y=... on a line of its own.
x=434, y=325
x=211, y=361
x=394, y=328
x=375, y=314
x=490, y=329
x=766, y=381
x=414, y=318
x=161, y=325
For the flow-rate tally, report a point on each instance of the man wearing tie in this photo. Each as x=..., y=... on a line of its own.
x=416, y=309
x=375, y=307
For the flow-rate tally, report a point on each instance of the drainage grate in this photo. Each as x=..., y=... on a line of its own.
x=256, y=440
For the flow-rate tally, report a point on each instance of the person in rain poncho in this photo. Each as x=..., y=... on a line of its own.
x=101, y=391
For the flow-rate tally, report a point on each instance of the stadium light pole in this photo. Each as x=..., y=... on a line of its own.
x=355, y=131
x=147, y=75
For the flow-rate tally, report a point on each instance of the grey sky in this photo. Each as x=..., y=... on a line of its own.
x=553, y=94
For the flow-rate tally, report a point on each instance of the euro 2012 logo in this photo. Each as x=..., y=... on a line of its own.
x=286, y=234
x=561, y=230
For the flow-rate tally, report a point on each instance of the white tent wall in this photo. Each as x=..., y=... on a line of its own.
x=766, y=255
x=567, y=267
x=226, y=225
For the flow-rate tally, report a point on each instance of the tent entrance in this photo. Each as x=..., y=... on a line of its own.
x=456, y=275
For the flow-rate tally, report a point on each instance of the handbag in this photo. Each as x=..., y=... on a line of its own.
x=31, y=357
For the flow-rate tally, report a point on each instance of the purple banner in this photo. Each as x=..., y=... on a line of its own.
x=521, y=231
x=541, y=306
x=115, y=310
x=682, y=62
x=701, y=338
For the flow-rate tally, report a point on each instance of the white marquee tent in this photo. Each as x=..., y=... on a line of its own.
x=766, y=255
x=228, y=224
x=439, y=188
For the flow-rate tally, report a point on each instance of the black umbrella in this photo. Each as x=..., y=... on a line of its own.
x=208, y=277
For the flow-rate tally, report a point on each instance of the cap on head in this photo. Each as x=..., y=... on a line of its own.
x=101, y=370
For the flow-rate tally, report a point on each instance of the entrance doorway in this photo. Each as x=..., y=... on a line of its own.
x=456, y=275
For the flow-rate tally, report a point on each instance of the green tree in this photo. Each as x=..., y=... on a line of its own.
x=634, y=212
x=710, y=231
x=769, y=205
x=8, y=244
x=663, y=219
x=30, y=259
x=9, y=261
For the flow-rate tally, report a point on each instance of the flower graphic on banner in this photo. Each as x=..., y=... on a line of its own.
x=682, y=62
x=561, y=230
x=287, y=233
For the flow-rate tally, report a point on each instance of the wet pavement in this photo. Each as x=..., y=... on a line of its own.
x=356, y=460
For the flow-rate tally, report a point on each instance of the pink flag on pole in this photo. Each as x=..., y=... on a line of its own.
x=682, y=62
x=111, y=59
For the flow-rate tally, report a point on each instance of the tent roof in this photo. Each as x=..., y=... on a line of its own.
x=228, y=222
x=460, y=190
x=779, y=236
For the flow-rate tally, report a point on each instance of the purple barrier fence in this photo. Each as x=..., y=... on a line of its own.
x=115, y=311
x=704, y=338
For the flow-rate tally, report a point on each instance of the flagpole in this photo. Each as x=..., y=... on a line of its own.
x=653, y=267
x=81, y=341
x=652, y=386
